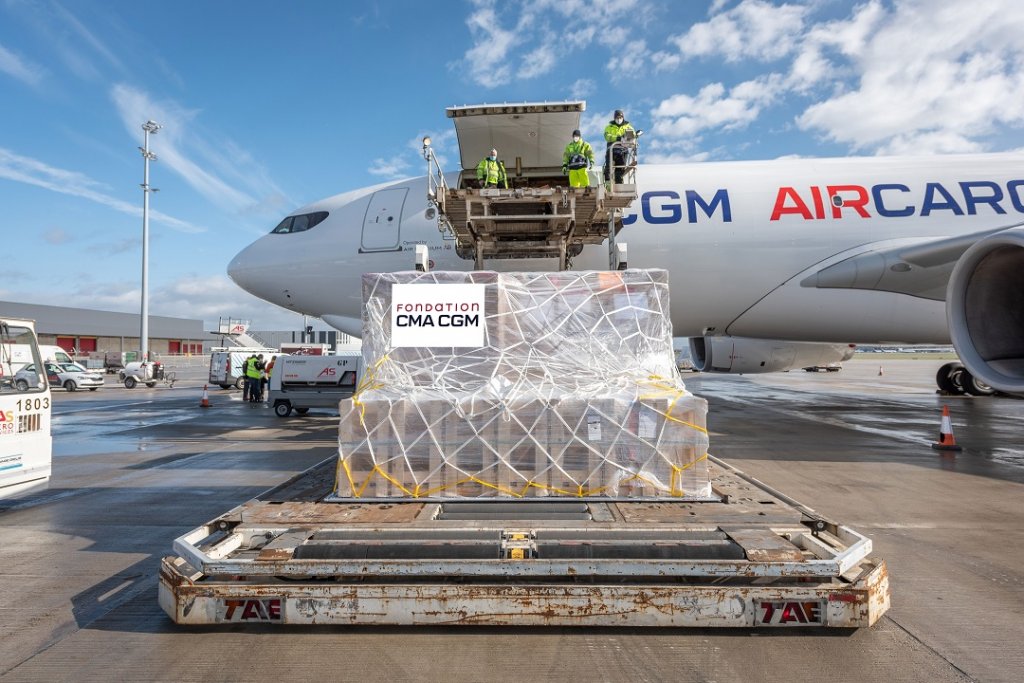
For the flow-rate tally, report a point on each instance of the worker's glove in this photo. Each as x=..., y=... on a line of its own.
x=590, y=164
x=565, y=170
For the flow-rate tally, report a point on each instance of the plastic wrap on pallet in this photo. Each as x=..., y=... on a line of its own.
x=573, y=392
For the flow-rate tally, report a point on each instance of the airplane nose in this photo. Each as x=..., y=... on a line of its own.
x=244, y=268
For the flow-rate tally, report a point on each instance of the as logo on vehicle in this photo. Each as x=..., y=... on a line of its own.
x=7, y=423
x=785, y=613
x=264, y=609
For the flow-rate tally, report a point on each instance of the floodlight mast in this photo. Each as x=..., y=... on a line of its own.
x=149, y=127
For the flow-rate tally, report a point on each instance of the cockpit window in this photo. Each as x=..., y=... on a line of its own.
x=300, y=223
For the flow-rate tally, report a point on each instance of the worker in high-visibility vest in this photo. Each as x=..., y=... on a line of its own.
x=576, y=159
x=491, y=172
x=252, y=378
x=613, y=133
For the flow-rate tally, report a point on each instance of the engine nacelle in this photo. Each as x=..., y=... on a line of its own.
x=985, y=310
x=742, y=355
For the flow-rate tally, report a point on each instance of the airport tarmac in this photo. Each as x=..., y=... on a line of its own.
x=135, y=469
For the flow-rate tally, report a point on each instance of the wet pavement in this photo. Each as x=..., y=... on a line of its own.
x=135, y=469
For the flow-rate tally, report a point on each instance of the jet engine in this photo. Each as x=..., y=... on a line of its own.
x=985, y=311
x=740, y=355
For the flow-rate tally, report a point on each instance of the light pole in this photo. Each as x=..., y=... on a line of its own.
x=148, y=127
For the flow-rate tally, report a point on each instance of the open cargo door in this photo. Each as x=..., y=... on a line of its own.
x=527, y=136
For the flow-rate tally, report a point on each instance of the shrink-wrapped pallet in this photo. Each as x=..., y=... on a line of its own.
x=569, y=388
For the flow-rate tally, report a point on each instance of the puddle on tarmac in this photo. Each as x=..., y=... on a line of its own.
x=68, y=446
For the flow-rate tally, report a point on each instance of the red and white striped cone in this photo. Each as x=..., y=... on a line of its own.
x=946, y=441
x=205, y=403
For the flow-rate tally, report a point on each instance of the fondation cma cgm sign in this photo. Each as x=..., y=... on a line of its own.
x=437, y=315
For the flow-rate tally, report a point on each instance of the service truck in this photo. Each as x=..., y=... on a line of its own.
x=227, y=365
x=302, y=382
x=26, y=446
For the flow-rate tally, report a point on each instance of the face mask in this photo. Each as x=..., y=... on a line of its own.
x=575, y=138
x=492, y=158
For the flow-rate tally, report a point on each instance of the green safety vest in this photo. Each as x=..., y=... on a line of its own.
x=581, y=148
x=614, y=131
x=493, y=172
x=250, y=369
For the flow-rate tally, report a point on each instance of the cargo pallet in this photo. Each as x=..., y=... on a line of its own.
x=751, y=558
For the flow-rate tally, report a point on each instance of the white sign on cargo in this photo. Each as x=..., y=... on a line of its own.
x=448, y=315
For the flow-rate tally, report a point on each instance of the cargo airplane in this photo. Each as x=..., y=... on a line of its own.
x=773, y=265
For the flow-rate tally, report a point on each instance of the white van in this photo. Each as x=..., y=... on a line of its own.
x=227, y=366
x=20, y=355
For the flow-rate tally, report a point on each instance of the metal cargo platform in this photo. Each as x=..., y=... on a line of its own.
x=751, y=558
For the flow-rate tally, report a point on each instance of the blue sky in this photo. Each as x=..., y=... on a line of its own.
x=267, y=106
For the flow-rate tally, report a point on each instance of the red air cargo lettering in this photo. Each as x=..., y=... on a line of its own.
x=789, y=201
x=327, y=372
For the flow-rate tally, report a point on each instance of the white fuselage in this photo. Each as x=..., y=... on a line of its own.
x=736, y=237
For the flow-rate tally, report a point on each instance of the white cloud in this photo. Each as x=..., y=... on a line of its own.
x=665, y=61
x=683, y=116
x=487, y=59
x=754, y=29
x=670, y=157
x=930, y=79
x=33, y=172
x=628, y=62
x=581, y=88
x=25, y=71
x=230, y=167
x=57, y=236
x=537, y=63
x=542, y=33
x=395, y=167
x=87, y=36
x=847, y=38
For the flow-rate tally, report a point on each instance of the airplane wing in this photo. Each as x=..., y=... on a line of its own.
x=920, y=270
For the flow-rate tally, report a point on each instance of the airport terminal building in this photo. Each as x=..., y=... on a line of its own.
x=80, y=331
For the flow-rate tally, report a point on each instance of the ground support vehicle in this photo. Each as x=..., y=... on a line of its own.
x=145, y=373
x=752, y=558
x=26, y=446
x=227, y=366
x=69, y=376
x=828, y=367
x=302, y=382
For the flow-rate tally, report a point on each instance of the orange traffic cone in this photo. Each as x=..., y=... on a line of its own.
x=205, y=403
x=946, y=441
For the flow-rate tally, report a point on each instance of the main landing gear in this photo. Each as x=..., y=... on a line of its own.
x=954, y=378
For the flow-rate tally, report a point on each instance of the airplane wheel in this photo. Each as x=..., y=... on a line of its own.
x=957, y=378
x=944, y=378
x=974, y=386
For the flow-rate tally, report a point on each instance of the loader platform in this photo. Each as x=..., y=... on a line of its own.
x=535, y=213
x=751, y=558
